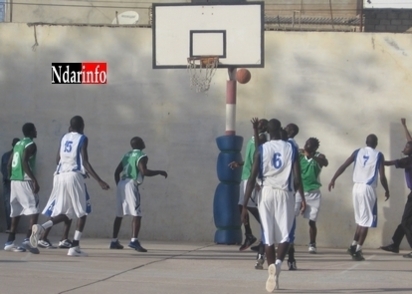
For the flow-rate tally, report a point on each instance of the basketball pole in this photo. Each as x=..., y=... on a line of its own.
x=225, y=204
x=231, y=102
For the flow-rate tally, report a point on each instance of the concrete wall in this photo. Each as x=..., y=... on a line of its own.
x=338, y=87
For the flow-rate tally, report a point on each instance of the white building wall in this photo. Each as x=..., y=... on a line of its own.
x=338, y=87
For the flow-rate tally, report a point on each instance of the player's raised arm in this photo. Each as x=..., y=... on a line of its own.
x=405, y=128
x=341, y=169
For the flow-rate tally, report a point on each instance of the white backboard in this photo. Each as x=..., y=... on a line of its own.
x=233, y=32
x=387, y=3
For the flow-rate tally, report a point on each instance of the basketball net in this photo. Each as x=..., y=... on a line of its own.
x=201, y=71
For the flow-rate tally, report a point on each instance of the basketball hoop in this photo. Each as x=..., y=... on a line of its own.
x=201, y=70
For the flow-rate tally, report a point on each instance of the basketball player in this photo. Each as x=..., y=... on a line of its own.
x=246, y=171
x=69, y=185
x=276, y=163
x=405, y=227
x=291, y=131
x=133, y=168
x=48, y=210
x=24, y=187
x=260, y=248
x=311, y=163
x=367, y=162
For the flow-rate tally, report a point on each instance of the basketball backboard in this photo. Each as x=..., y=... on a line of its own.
x=233, y=32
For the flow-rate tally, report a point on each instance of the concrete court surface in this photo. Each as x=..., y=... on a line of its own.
x=195, y=268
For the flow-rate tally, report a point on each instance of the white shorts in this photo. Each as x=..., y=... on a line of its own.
x=276, y=210
x=48, y=210
x=22, y=199
x=69, y=191
x=313, y=201
x=254, y=198
x=127, y=198
x=365, y=205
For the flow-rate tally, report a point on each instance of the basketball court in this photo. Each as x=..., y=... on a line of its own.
x=188, y=268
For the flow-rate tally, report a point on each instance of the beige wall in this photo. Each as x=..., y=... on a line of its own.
x=338, y=87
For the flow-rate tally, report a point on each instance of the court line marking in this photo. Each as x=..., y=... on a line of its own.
x=356, y=265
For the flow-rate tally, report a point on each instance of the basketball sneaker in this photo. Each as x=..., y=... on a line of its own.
x=358, y=256
x=116, y=245
x=312, y=248
x=45, y=243
x=9, y=246
x=76, y=251
x=351, y=250
x=249, y=240
x=66, y=243
x=36, y=231
x=26, y=245
x=391, y=248
x=260, y=260
x=271, y=281
x=292, y=265
x=136, y=246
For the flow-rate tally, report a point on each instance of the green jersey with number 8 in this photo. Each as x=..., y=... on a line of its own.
x=17, y=171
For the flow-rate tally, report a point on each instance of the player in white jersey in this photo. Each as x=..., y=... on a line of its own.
x=368, y=162
x=276, y=163
x=69, y=186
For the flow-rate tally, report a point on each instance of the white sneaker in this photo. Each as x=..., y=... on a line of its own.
x=312, y=249
x=36, y=231
x=271, y=281
x=26, y=245
x=9, y=246
x=76, y=251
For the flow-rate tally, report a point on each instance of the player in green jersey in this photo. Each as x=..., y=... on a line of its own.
x=132, y=169
x=311, y=164
x=24, y=187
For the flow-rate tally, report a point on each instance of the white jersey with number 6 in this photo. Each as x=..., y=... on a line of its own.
x=276, y=160
x=70, y=157
x=367, y=161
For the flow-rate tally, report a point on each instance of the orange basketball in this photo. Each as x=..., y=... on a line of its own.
x=243, y=76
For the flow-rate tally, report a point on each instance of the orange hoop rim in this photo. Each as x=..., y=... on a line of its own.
x=204, y=60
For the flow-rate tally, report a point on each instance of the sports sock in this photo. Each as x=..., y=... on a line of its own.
x=278, y=261
x=354, y=243
x=134, y=239
x=47, y=224
x=114, y=240
x=358, y=248
x=76, y=238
